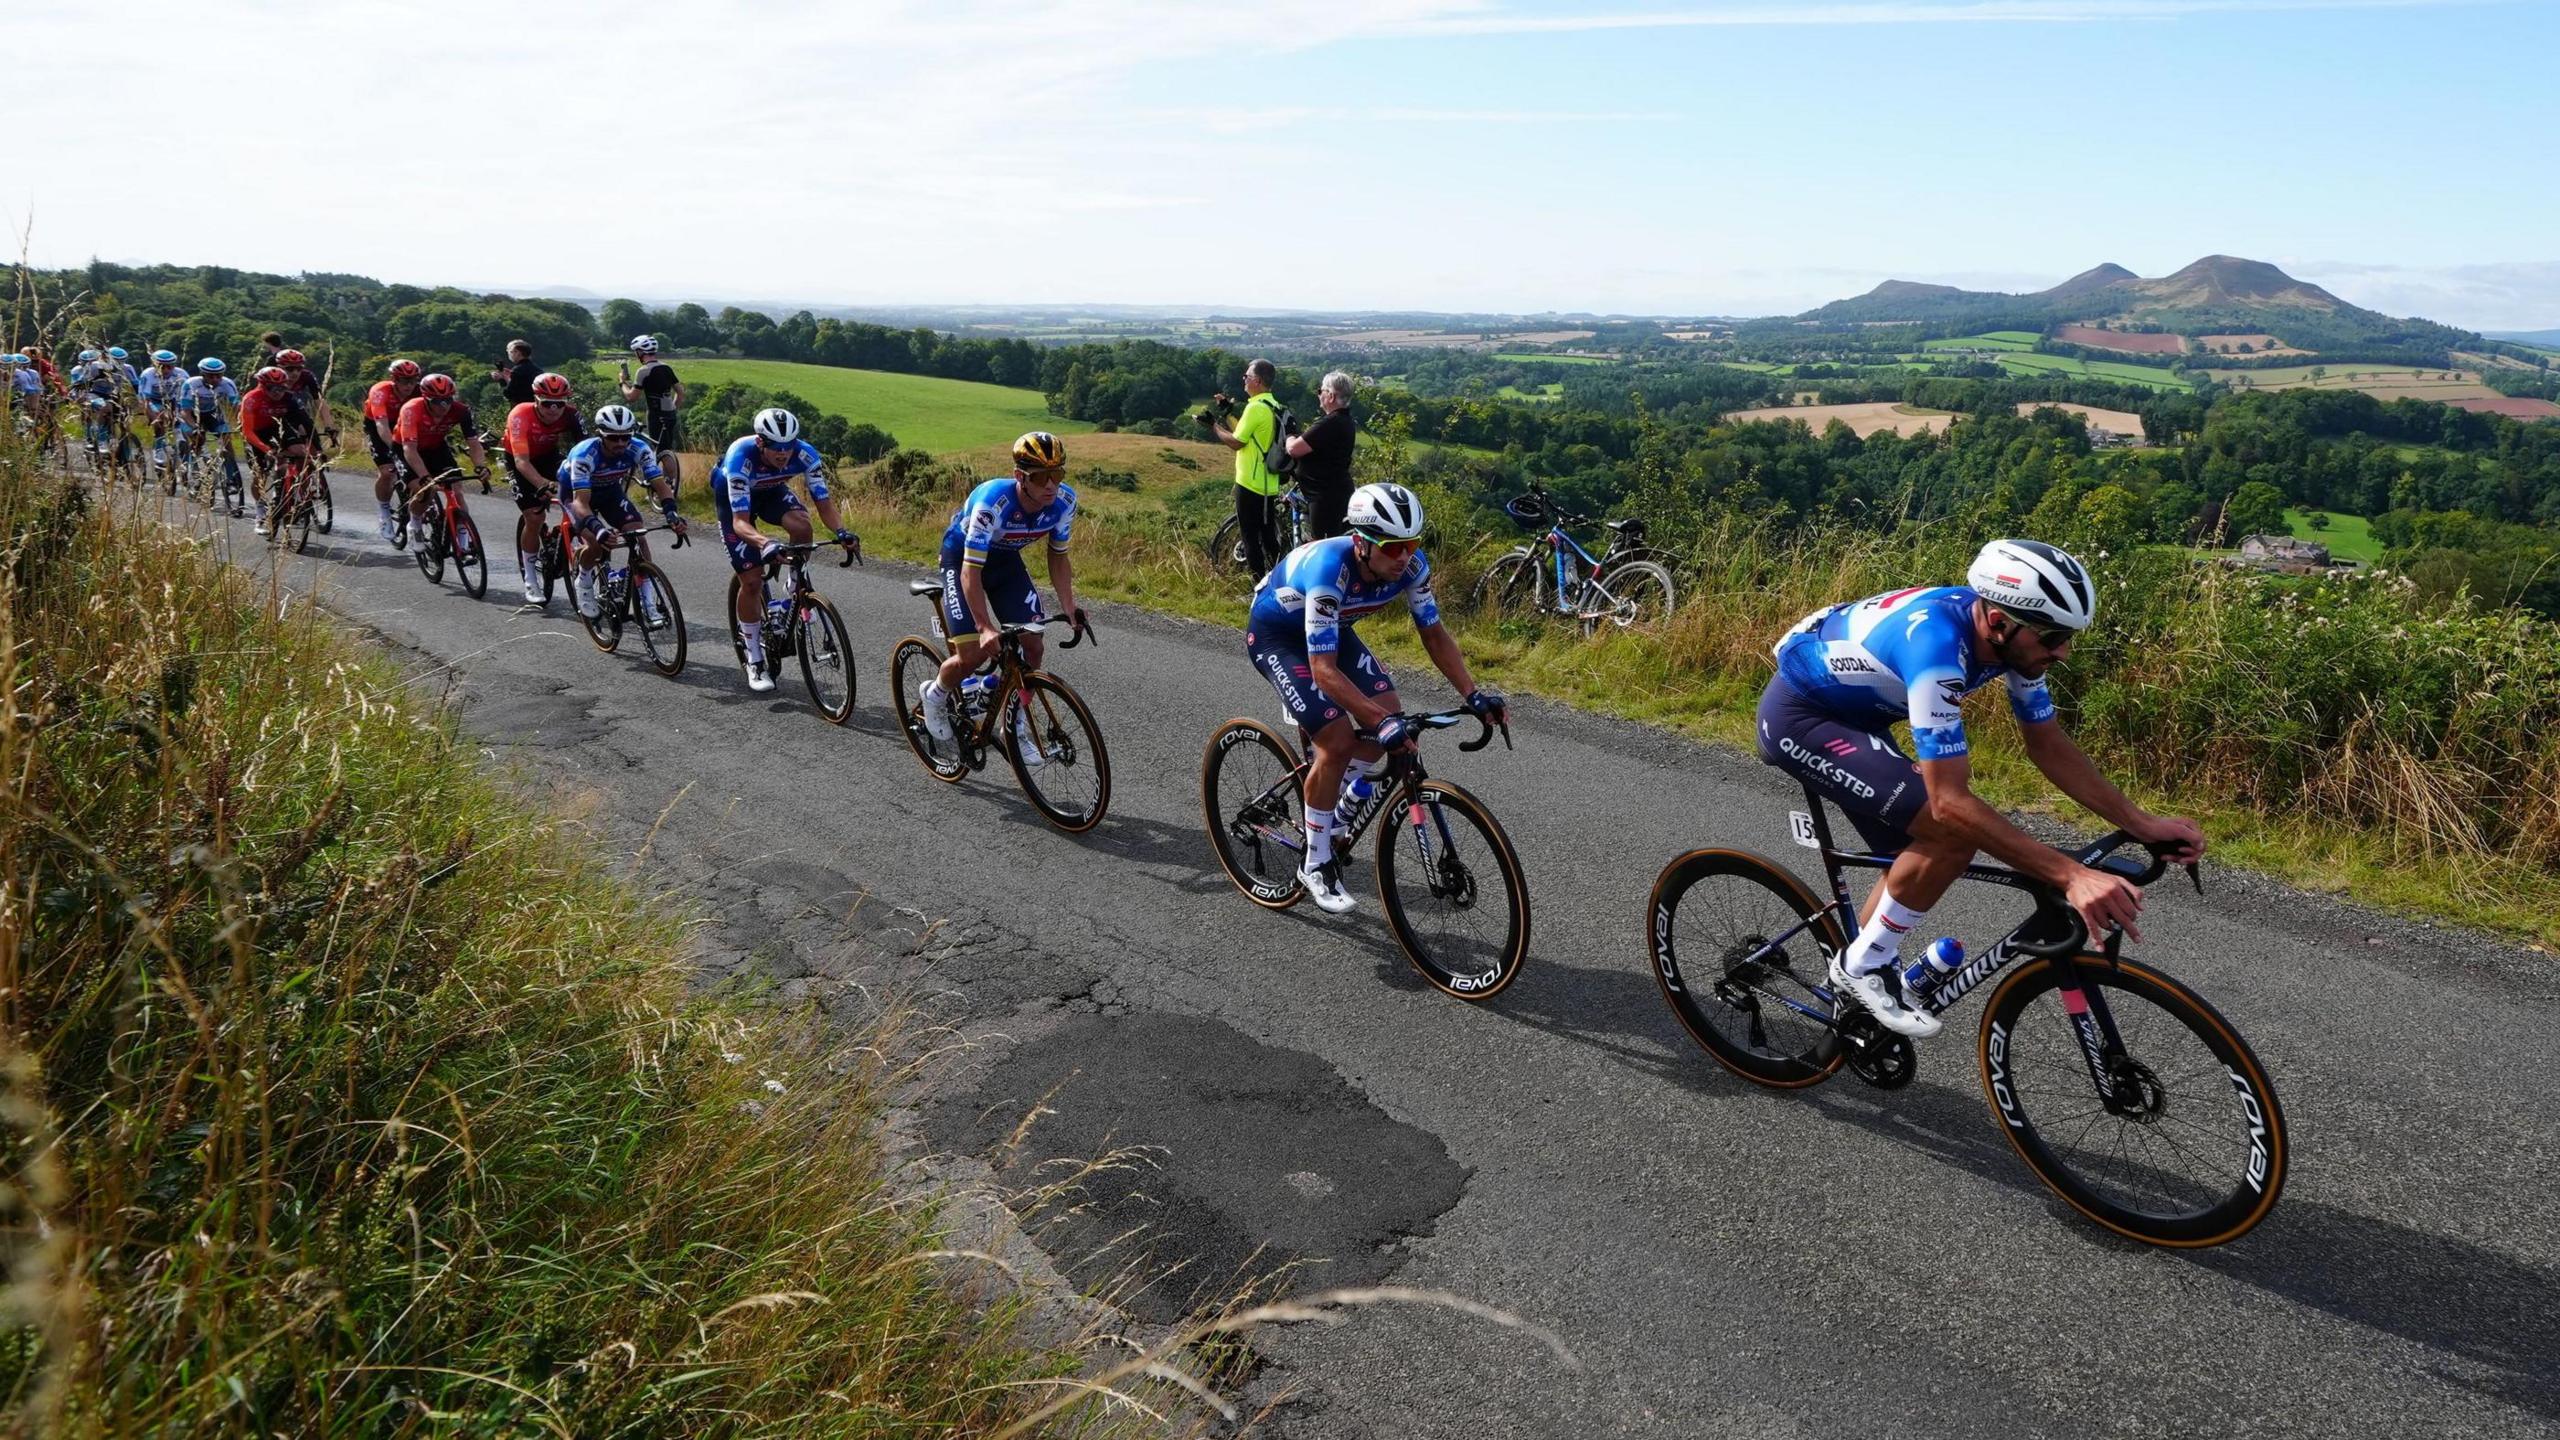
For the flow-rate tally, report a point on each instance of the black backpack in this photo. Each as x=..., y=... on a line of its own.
x=1275, y=456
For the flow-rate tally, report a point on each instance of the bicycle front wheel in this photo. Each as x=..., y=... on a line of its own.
x=1739, y=947
x=660, y=616
x=604, y=628
x=1249, y=781
x=1514, y=584
x=1056, y=751
x=826, y=660
x=301, y=518
x=470, y=557
x=1453, y=890
x=1226, y=550
x=2186, y=1149
x=324, y=509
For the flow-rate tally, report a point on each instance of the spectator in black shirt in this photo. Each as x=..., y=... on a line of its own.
x=660, y=397
x=517, y=374
x=1324, y=458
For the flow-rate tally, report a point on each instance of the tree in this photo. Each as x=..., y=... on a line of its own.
x=622, y=320
x=2256, y=508
x=2317, y=520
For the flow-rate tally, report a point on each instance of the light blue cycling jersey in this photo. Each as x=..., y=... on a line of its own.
x=101, y=377
x=588, y=467
x=1904, y=655
x=26, y=381
x=1319, y=585
x=159, y=386
x=745, y=470
x=207, y=396
x=994, y=518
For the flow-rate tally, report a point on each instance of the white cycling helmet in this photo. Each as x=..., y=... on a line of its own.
x=616, y=420
x=644, y=344
x=2035, y=582
x=1385, y=512
x=778, y=425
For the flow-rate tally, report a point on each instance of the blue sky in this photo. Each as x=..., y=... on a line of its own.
x=1711, y=156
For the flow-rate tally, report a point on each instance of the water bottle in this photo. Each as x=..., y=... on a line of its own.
x=1944, y=957
x=974, y=690
x=777, y=612
x=1356, y=790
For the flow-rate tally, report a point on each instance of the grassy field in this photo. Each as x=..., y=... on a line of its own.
x=1552, y=390
x=921, y=410
x=2013, y=340
x=2151, y=375
x=2348, y=537
x=1552, y=359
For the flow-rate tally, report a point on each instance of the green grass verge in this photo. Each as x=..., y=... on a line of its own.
x=2349, y=537
x=350, y=1095
x=921, y=410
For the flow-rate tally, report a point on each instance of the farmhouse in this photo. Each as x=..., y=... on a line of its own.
x=2283, y=553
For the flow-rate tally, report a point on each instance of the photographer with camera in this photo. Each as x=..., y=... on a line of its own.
x=1256, y=438
x=1323, y=453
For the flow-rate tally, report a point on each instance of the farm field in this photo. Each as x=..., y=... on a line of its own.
x=2349, y=537
x=1552, y=390
x=2389, y=382
x=1460, y=339
x=2258, y=345
x=2151, y=375
x=2514, y=407
x=1160, y=466
x=925, y=411
x=1863, y=420
x=2122, y=422
x=1993, y=340
x=2098, y=339
x=1547, y=359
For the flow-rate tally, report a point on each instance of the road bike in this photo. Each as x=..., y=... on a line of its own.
x=1553, y=575
x=2126, y=1093
x=1450, y=880
x=451, y=535
x=208, y=473
x=802, y=623
x=301, y=495
x=114, y=454
x=637, y=596
x=1292, y=519
x=1044, y=728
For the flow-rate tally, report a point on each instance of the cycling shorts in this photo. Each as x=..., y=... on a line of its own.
x=666, y=429
x=384, y=449
x=211, y=422
x=1861, y=771
x=1286, y=666
x=765, y=507
x=529, y=496
x=439, y=458
x=612, y=506
x=1011, y=596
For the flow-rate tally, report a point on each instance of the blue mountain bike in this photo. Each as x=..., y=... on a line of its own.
x=1552, y=575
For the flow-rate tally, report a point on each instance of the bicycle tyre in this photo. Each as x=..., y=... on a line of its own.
x=1039, y=695
x=430, y=555
x=2253, y=1117
x=1702, y=993
x=1224, y=550
x=301, y=519
x=825, y=650
x=665, y=641
x=470, y=557
x=1259, y=852
x=604, y=628
x=324, y=507
x=1514, y=584
x=1642, y=594
x=913, y=661
x=1428, y=957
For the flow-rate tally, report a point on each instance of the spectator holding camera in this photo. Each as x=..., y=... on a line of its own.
x=1255, y=432
x=1323, y=454
x=516, y=374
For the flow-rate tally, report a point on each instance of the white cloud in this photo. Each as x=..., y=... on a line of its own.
x=1885, y=12
x=2519, y=295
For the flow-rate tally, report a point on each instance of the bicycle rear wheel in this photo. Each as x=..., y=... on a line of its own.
x=2191, y=1149
x=912, y=663
x=470, y=557
x=324, y=510
x=1071, y=786
x=1739, y=947
x=826, y=659
x=1636, y=593
x=1249, y=794
x=659, y=616
x=1453, y=889
x=1226, y=550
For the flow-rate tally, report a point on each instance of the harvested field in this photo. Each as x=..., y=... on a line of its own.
x=2258, y=345
x=1460, y=340
x=2122, y=422
x=2390, y=382
x=2514, y=407
x=2490, y=362
x=1872, y=418
x=2097, y=339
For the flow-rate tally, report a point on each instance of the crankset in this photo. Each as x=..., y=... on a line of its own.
x=1877, y=1055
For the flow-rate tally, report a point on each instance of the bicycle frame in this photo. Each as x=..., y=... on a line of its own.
x=1400, y=783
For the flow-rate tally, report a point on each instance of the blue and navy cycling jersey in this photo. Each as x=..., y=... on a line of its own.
x=994, y=519
x=588, y=467
x=1904, y=655
x=160, y=386
x=207, y=396
x=100, y=377
x=1317, y=592
x=745, y=470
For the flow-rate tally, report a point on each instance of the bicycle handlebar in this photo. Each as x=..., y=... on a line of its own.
x=803, y=548
x=1083, y=631
x=1443, y=719
x=2075, y=936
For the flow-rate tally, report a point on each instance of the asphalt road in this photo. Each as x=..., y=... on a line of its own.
x=1722, y=1260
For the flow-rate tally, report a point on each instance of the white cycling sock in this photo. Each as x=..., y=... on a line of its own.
x=753, y=633
x=1880, y=943
x=1319, y=836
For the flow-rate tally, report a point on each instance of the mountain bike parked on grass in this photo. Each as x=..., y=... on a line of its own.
x=451, y=535
x=1295, y=524
x=1450, y=879
x=633, y=596
x=802, y=623
x=1553, y=575
x=1044, y=728
x=2123, y=1090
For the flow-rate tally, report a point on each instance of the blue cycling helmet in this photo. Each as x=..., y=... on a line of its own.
x=164, y=357
x=211, y=365
x=14, y=358
x=88, y=355
x=115, y=352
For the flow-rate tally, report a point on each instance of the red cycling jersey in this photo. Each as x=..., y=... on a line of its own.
x=533, y=438
x=382, y=404
x=423, y=422
x=267, y=415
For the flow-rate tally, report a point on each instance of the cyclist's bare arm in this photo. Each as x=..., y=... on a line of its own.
x=2064, y=763
x=1442, y=647
x=1062, y=578
x=479, y=452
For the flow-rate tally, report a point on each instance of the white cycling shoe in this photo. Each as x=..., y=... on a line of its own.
x=1023, y=744
x=589, y=602
x=937, y=711
x=1884, y=1002
x=1324, y=886
x=757, y=679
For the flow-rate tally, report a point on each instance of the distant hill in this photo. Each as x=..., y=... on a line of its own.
x=2529, y=337
x=2219, y=294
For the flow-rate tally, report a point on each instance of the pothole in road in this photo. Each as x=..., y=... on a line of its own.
x=1257, y=1157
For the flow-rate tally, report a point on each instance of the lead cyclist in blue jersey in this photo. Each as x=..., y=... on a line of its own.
x=752, y=483
x=1846, y=674
x=986, y=586
x=1299, y=635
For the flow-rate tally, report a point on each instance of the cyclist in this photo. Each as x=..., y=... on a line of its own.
x=1299, y=635
x=382, y=405
x=94, y=383
x=984, y=582
x=158, y=386
x=276, y=425
x=1845, y=674
x=660, y=396
x=304, y=382
x=426, y=420
x=26, y=384
x=539, y=433
x=207, y=403
x=752, y=484
x=595, y=483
